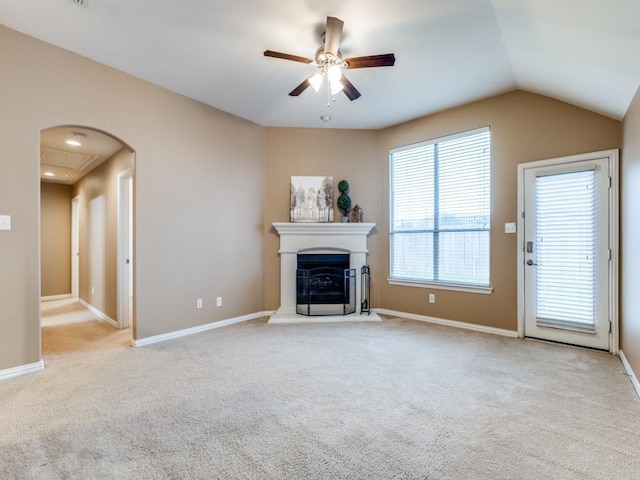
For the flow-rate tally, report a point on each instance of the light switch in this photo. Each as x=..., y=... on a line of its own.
x=509, y=228
x=5, y=222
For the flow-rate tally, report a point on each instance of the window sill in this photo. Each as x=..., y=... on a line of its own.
x=441, y=286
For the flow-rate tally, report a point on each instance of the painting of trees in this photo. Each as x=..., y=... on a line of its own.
x=311, y=199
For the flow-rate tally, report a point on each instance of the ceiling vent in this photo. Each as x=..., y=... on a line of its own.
x=69, y=160
x=82, y=3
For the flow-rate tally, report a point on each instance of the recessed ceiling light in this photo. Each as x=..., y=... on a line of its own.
x=81, y=3
x=325, y=118
x=75, y=141
x=49, y=174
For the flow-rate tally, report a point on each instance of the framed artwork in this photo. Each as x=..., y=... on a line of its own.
x=311, y=199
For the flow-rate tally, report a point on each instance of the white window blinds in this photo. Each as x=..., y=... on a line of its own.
x=440, y=210
x=566, y=244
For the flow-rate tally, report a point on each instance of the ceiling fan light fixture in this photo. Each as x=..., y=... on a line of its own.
x=316, y=81
x=334, y=73
x=336, y=86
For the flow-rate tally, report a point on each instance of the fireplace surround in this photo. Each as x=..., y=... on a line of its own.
x=319, y=238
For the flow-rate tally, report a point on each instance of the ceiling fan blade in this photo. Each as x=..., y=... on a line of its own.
x=300, y=88
x=384, y=60
x=349, y=90
x=287, y=56
x=332, y=35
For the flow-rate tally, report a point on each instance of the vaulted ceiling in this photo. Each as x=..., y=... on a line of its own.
x=448, y=52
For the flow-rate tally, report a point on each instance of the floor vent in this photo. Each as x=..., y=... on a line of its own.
x=82, y=3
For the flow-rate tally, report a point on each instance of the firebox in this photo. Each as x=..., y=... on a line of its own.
x=325, y=285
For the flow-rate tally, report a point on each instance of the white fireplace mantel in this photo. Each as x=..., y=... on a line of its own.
x=296, y=238
x=288, y=229
x=346, y=236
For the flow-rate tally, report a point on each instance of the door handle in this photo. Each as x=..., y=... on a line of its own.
x=126, y=261
x=530, y=262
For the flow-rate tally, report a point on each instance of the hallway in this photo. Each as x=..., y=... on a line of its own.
x=69, y=327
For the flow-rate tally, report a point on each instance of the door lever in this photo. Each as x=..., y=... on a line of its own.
x=530, y=262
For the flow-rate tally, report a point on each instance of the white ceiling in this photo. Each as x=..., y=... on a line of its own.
x=448, y=52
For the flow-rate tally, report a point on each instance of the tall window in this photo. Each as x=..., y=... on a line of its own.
x=440, y=210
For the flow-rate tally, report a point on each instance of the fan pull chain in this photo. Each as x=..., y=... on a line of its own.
x=329, y=96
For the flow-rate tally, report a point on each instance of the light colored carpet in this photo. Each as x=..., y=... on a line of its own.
x=382, y=400
x=62, y=312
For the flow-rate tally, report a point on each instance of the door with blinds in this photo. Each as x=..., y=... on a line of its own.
x=567, y=253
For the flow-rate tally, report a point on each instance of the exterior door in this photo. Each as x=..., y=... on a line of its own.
x=567, y=252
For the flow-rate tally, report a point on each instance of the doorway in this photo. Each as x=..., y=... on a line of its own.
x=568, y=250
x=97, y=169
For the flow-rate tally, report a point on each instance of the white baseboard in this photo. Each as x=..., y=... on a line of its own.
x=632, y=375
x=55, y=297
x=448, y=323
x=21, y=370
x=98, y=313
x=142, y=342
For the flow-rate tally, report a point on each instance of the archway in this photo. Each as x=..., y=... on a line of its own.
x=87, y=222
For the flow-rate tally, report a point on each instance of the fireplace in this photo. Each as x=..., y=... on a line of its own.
x=325, y=285
x=349, y=239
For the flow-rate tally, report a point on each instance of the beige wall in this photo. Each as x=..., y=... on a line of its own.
x=98, y=246
x=630, y=233
x=342, y=154
x=55, y=239
x=524, y=127
x=199, y=191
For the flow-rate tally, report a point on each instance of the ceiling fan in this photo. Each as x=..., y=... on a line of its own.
x=330, y=63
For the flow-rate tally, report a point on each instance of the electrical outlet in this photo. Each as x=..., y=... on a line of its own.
x=432, y=298
x=219, y=301
x=199, y=303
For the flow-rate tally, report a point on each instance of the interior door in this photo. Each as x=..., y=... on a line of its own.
x=567, y=253
x=125, y=250
x=75, y=247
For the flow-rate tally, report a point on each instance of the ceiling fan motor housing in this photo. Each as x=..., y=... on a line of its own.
x=328, y=59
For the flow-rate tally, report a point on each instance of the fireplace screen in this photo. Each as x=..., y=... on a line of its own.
x=325, y=285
